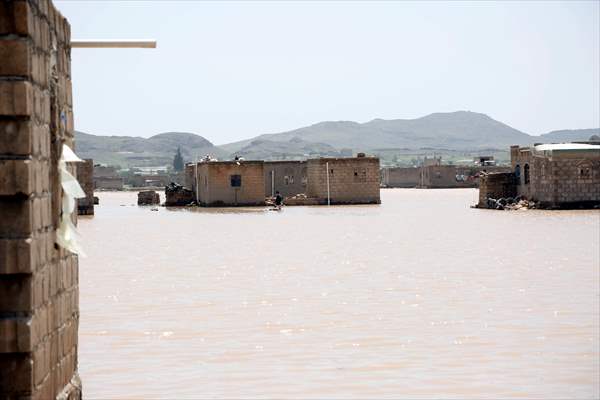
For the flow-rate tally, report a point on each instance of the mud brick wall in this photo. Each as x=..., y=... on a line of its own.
x=85, y=176
x=351, y=180
x=39, y=310
x=495, y=186
x=275, y=177
x=214, y=183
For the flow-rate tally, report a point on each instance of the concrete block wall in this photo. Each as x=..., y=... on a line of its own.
x=401, y=177
x=351, y=180
x=85, y=176
x=287, y=177
x=39, y=312
x=558, y=180
x=495, y=186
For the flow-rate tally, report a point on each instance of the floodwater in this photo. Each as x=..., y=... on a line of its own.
x=419, y=297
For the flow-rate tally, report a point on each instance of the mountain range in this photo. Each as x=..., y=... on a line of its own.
x=462, y=132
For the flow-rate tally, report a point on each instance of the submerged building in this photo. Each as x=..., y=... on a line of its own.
x=437, y=176
x=562, y=175
x=351, y=180
x=346, y=180
x=229, y=183
x=558, y=175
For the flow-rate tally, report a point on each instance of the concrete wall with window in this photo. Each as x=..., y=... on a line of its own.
x=230, y=183
x=560, y=178
x=287, y=177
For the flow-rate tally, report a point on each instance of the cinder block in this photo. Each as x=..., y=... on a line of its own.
x=18, y=256
x=16, y=57
x=17, y=177
x=16, y=17
x=40, y=72
x=8, y=335
x=16, y=293
x=16, y=98
x=16, y=137
x=17, y=372
x=41, y=362
x=16, y=217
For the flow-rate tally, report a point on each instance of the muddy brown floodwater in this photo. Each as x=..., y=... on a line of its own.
x=420, y=297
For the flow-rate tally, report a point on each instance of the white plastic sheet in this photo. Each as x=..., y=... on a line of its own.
x=67, y=235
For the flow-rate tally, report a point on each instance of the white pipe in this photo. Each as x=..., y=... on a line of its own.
x=328, y=193
x=196, y=179
x=272, y=183
x=113, y=44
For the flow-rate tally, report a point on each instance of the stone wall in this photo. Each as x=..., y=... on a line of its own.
x=214, y=180
x=287, y=177
x=39, y=311
x=85, y=176
x=351, y=180
x=495, y=186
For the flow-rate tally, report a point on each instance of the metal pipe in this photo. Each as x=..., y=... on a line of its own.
x=272, y=183
x=113, y=44
x=328, y=194
x=196, y=181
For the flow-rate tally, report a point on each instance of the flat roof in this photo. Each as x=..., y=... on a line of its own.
x=567, y=146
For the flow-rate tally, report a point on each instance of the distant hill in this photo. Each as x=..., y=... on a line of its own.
x=462, y=130
x=454, y=135
x=568, y=135
x=295, y=148
x=127, y=151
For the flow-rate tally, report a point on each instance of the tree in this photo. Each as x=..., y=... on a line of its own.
x=178, y=160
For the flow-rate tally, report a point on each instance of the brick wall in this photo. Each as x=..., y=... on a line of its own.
x=38, y=282
x=287, y=177
x=351, y=180
x=85, y=176
x=214, y=183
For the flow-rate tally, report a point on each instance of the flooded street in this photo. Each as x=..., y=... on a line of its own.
x=420, y=296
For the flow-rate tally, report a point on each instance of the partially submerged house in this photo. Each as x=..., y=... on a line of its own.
x=348, y=180
x=558, y=175
x=107, y=178
x=228, y=183
x=351, y=180
x=437, y=176
x=561, y=175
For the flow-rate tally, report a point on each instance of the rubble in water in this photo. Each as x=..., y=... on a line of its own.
x=148, y=198
x=509, y=203
x=177, y=195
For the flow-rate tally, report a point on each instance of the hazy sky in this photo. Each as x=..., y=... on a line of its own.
x=232, y=70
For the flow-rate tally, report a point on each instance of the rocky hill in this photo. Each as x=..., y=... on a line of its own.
x=128, y=151
x=569, y=135
x=461, y=130
x=457, y=135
